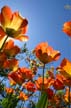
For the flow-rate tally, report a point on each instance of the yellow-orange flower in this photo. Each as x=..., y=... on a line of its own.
x=67, y=28
x=23, y=96
x=65, y=68
x=30, y=86
x=13, y=24
x=26, y=73
x=46, y=53
x=9, y=90
x=16, y=77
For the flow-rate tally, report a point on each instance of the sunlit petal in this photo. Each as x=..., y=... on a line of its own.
x=22, y=38
x=6, y=15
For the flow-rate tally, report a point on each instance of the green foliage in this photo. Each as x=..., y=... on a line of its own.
x=43, y=101
x=9, y=102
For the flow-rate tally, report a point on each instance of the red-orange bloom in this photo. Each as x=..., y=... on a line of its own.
x=30, y=86
x=65, y=68
x=16, y=77
x=11, y=64
x=46, y=53
x=9, y=90
x=20, y=75
x=67, y=28
x=13, y=24
x=12, y=82
x=58, y=83
x=47, y=83
x=26, y=73
x=10, y=49
x=23, y=96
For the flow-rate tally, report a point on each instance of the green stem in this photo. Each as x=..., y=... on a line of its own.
x=43, y=78
x=3, y=43
x=69, y=98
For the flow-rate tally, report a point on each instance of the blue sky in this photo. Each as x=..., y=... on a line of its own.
x=46, y=18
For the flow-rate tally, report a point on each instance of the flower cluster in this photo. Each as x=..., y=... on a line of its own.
x=21, y=85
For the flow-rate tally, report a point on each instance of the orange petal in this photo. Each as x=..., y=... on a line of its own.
x=22, y=38
x=11, y=64
x=16, y=21
x=6, y=15
x=23, y=96
x=66, y=66
x=10, y=49
x=2, y=33
x=67, y=28
x=9, y=44
x=24, y=26
x=56, y=55
x=16, y=77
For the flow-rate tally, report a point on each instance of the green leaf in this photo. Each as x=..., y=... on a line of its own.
x=43, y=101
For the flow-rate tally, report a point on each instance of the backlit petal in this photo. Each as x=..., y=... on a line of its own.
x=16, y=21
x=6, y=15
x=22, y=38
x=67, y=28
x=2, y=33
x=66, y=66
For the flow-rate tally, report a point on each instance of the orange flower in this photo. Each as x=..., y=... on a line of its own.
x=58, y=83
x=16, y=77
x=20, y=75
x=47, y=83
x=65, y=68
x=10, y=49
x=23, y=96
x=9, y=90
x=67, y=28
x=13, y=24
x=30, y=86
x=11, y=64
x=26, y=73
x=12, y=82
x=46, y=53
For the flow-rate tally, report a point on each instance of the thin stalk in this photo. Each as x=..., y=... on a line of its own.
x=69, y=98
x=3, y=43
x=43, y=78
